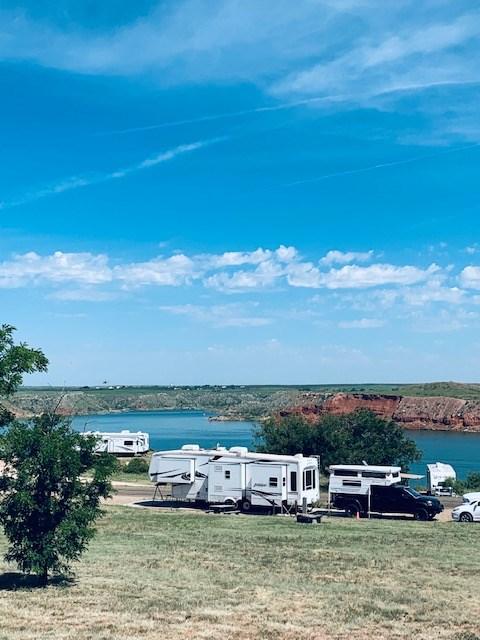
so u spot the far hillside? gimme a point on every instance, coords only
(246, 401)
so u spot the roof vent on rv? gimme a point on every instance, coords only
(191, 447)
(240, 451)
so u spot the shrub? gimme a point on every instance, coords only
(136, 465)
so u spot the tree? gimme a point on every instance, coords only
(47, 511)
(15, 361)
(340, 439)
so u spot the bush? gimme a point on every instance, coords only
(344, 439)
(471, 483)
(137, 465)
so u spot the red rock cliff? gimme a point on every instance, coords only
(435, 413)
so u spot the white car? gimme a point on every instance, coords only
(467, 512)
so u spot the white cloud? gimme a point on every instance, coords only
(173, 271)
(229, 315)
(355, 277)
(27, 268)
(470, 277)
(266, 274)
(345, 257)
(232, 272)
(363, 323)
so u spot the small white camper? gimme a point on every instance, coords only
(121, 443)
(437, 474)
(237, 476)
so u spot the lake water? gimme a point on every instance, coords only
(171, 429)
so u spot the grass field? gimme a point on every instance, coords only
(152, 575)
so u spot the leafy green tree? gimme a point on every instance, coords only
(288, 435)
(15, 361)
(340, 439)
(47, 511)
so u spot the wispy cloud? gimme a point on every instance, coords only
(362, 323)
(229, 315)
(383, 165)
(316, 101)
(358, 53)
(78, 182)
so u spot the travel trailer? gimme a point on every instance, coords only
(363, 489)
(436, 475)
(126, 443)
(237, 476)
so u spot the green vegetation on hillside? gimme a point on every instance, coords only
(172, 575)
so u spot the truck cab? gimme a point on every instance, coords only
(399, 498)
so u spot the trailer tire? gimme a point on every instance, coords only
(353, 508)
(421, 515)
(246, 506)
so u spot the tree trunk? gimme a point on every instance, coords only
(44, 577)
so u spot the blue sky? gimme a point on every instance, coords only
(242, 192)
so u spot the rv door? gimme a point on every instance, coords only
(268, 484)
(226, 481)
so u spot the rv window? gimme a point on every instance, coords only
(284, 482)
(344, 472)
(351, 483)
(396, 474)
(293, 480)
(373, 474)
(128, 443)
(309, 479)
(106, 440)
(227, 475)
(273, 482)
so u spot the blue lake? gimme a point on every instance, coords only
(171, 429)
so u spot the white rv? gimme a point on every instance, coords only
(437, 474)
(121, 443)
(237, 476)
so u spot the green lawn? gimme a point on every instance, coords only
(152, 575)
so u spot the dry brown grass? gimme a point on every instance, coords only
(151, 576)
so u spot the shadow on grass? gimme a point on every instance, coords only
(12, 581)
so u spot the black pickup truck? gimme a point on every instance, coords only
(393, 499)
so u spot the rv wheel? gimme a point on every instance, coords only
(421, 514)
(246, 505)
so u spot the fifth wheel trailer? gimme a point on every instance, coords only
(125, 443)
(237, 476)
